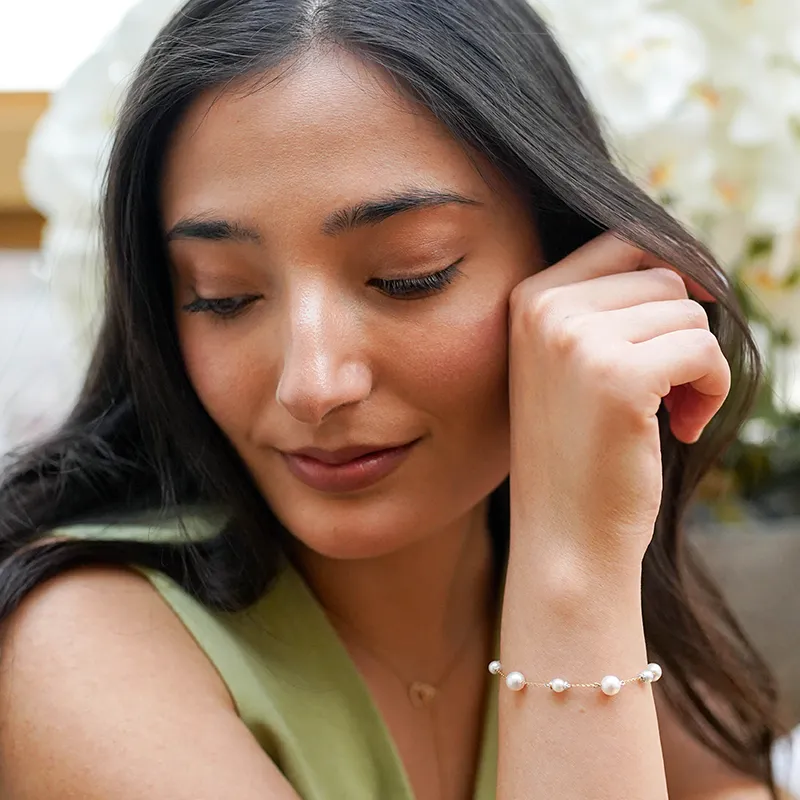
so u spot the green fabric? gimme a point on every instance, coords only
(295, 685)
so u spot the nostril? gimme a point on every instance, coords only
(310, 395)
(301, 403)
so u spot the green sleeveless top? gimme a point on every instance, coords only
(294, 683)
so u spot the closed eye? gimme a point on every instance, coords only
(424, 285)
(224, 307)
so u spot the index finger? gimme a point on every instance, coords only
(607, 254)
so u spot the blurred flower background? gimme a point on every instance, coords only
(700, 100)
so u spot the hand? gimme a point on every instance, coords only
(597, 342)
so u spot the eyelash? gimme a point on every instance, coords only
(410, 288)
(403, 288)
(222, 307)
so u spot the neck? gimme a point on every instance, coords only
(415, 606)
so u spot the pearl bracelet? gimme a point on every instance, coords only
(610, 685)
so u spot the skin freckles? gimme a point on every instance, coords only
(322, 357)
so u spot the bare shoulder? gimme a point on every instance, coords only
(100, 681)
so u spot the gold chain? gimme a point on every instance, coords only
(595, 685)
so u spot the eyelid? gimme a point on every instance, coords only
(408, 288)
(419, 285)
(213, 305)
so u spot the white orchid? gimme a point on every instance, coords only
(67, 156)
(636, 61)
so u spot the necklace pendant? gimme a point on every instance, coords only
(421, 694)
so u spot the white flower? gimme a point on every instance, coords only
(67, 155)
(67, 152)
(779, 297)
(650, 67)
(675, 161)
(41, 364)
(636, 63)
(778, 300)
(766, 113)
(733, 26)
(72, 263)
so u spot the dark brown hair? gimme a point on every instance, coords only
(139, 440)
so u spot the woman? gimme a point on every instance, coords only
(367, 260)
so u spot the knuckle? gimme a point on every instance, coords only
(567, 335)
(545, 303)
(670, 280)
(535, 308)
(694, 314)
(706, 342)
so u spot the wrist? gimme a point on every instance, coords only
(574, 583)
(591, 620)
(583, 557)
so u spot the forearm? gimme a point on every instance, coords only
(578, 744)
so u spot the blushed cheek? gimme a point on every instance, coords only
(230, 380)
(461, 364)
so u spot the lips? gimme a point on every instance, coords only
(347, 470)
(340, 456)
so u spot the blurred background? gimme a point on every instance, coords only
(42, 43)
(701, 105)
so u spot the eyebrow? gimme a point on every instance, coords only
(373, 212)
(364, 214)
(212, 230)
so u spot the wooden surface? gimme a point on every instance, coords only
(20, 230)
(20, 226)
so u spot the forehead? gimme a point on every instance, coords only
(331, 129)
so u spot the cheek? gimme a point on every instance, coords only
(461, 363)
(230, 379)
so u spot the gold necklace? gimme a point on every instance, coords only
(421, 694)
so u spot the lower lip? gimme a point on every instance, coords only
(350, 477)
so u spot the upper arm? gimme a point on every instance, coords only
(694, 772)
(104, 693)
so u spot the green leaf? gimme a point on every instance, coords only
(760, 246)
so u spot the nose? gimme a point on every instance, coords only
(323, 366)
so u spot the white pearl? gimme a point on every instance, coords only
(656, 670)
(558, 685)
(610, 685)
(515, 681)
(495, 667)
(647, 676)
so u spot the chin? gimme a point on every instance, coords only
(354, 548)
(354, 541)
(355, 529)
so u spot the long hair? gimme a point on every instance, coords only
(139, 440)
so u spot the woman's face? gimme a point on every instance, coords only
(315, 209)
